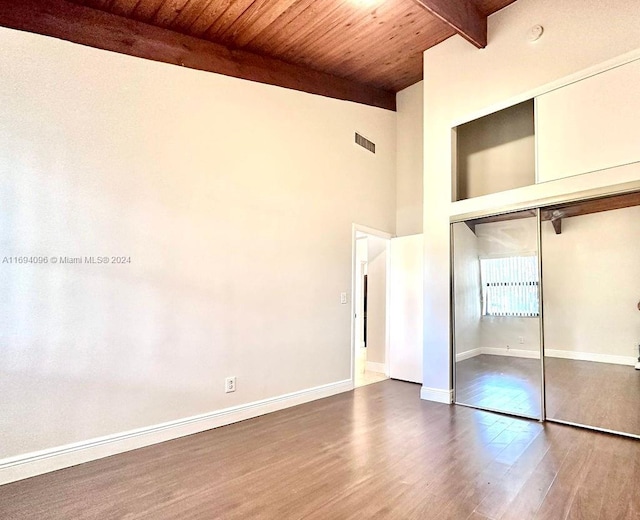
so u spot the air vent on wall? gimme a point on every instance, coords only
(365, 143)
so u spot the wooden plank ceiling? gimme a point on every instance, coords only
(374, 45)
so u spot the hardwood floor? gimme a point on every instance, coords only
(377, 452)
(509, 384)
(596, 394)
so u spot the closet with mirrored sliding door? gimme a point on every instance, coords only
(546, 312)
(545, 253)
(591, 271)
(496, 313)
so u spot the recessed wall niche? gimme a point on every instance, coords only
(495, 153)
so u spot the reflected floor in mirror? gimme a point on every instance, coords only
(509, 384)
(594, 394)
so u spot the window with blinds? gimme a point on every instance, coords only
(510, 286)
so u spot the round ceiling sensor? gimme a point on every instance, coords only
(535, 32)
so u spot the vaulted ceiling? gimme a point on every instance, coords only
(362, 50)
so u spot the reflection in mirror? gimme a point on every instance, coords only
(496, 314)
(591, 273)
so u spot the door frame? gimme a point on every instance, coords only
(355, 228)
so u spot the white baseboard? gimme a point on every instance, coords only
(36, 463)
(564, 354)
(438, 395)
(588, 356)
(512, 352)
(468, 354)
(494, 351)
(372, 366)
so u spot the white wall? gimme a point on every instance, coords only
(409, 143)
(235, 202)
(376, 299)
(592, 285)
(461, 83)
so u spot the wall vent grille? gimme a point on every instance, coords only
(365, 143)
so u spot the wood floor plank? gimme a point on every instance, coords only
(477, 516)
(536, 484)
(621, 482)
(497, 502)
(589, 496)
(562, 491)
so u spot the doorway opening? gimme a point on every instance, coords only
(370, 339)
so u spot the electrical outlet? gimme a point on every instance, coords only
(343, 298)
(508, 347)
(230, 384)
(521, 340)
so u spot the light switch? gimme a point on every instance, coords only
(343, 298)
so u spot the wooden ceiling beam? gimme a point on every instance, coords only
(95, 28)
(463, 16)
(555, 214)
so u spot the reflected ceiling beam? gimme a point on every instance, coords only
(94, 28)
(556, 222)
(463, 16)
(556, 213)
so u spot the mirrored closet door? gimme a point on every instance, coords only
(591, 272)
(496, 311)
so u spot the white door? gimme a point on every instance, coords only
(405, 307)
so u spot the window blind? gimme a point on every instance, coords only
(510, 286)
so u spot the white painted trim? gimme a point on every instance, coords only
(468, 354)
(371, 231)
(589, 356)
(438, 395)
(387, 309)
(563, 354)
(36, 463)
(512, 352)
(372, 366)
(354, 272)
(494, 351)
(536, 135)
